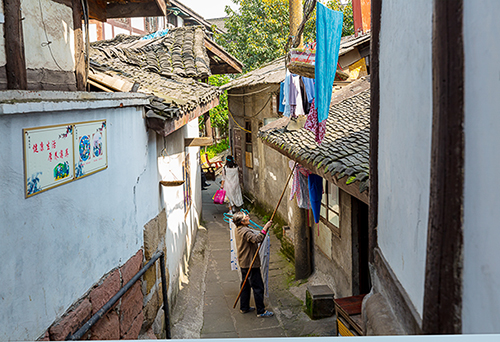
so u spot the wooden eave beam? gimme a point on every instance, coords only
(135, 9)
(217, 51)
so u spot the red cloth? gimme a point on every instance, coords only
(312, 124)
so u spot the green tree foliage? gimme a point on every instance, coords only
(258, 31)
(219, 114)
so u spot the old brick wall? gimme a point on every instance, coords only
(123, 321)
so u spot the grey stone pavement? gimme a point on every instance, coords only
(204, 305)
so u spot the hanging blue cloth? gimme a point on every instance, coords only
(328, 33)
(281, 108)
(286, 94)
(315, 194)
(309, 85)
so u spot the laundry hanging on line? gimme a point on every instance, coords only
(300, 188)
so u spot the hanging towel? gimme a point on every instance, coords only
(303, 93)
(309, 84)
(312, 124)
(315, 194)
(328, 33)
(296, 107)
(281, 108)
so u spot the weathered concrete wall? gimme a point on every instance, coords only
(405, 126)
(481, 274)
(68, 237)
(47, 20)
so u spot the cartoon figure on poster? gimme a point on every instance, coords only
(61, 171)
(84, 148)
(97, 144)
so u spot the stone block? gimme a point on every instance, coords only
(150, 278)
(135, 328)
(131, 267)
(107, 328)
(319, 301)
(162, 224)
(103, 293)
(131, 306)
(151, 238)
(73, 321)
(150, 309)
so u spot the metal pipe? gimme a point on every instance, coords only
(98, 315)
(164, 293)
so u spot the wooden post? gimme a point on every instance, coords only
(79, 54)
(14, 46)
(295, 9)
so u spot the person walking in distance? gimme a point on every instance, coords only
(247, 243)
(231, 183)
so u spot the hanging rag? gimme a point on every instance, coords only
(281, 108)
(303, 93)
(300, 189)
(315, 194)
(312, 124)
(286, 96)
(328, 33)
(309, 84)
(296, 107)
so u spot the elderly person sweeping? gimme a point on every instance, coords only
(247, 243)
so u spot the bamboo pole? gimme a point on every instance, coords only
(257, 253)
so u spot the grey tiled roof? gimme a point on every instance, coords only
(165, 67)
(344, 151)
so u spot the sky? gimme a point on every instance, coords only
(209, 9)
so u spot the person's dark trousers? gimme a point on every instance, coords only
(255, 282)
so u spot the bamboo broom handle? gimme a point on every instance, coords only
(257, 253)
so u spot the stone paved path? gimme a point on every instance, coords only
(204, 307)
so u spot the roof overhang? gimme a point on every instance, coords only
(221, 62)
(352, 189)
(164, 126)
(102, 10)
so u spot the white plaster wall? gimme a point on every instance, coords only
(57, 244)
(3, 59)
(405, 140)
(481, 298)
(48, 20)
(181, 227)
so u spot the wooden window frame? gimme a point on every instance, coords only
(324, 220)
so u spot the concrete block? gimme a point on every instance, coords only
(319, 301)
(131, 307)
(70, 323)
(107, 328)
(133, 332)
(103, 293)
(131, 267)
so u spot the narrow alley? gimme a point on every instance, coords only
(204, 307)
